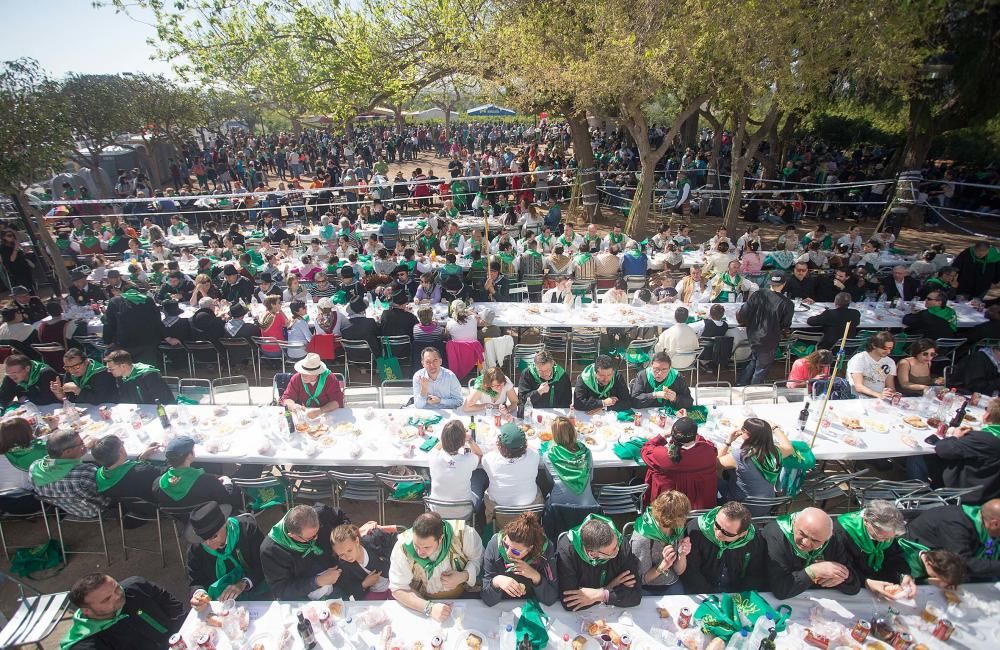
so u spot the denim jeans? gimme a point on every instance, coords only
(756, 369)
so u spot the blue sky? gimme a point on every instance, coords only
(72, 36)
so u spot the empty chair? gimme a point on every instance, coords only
(358, 354)
(621, 499)
(230, 390)
(35, 619)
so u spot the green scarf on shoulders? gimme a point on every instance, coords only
(108, 478)
(224, 576)
(557, 374)
(135, 297)
(992, 257)
(946, 313)
(477, 384)
(589, 379)
(506, 258)
(939, 282)
(581, 259)
(89, 242)
(23, 457)
(84, 628)
(987, 543)
(577, 542)
(784, 523)
(911, 551)
(429, 564)
(282, 539)
(853, 524)
(769, 468)
(992, 428)
(176, 482)
(92, 369)
(706, 524)
(646, 526)
(573, 467)
(732, 282)
(138, 370)
(34, 372)
(48, 470)
(667, 382)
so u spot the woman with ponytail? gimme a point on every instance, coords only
(685, 462)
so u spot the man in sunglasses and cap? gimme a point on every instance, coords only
(727, 553)
(224, 559)
(870, 539)
(596, 567)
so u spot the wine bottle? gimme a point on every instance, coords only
(959, 417)
(161, 412)
(306, 632)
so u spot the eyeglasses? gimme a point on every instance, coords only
(724, 531)
(70, 366)
(808, 538)
(513, 551)
(602, 555)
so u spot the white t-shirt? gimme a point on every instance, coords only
(873, 372)
(499, 399)
(451, 476)
(466, 331)
(512, 481)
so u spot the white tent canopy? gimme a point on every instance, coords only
(490, 109)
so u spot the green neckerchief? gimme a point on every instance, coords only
(589, 378)
(616, 239)
(667, 382)
(34, 373)
(478, 385)
(108, 478)
(706, 523)
(573, 467)
(535, 553)
(320, 385)
(506, 258)
(581, 259)
(567, 243)
(939, 282)
(992, 257)
(79, 231)
(987, 545)
(732, 282)
(574, 539)
(176, 482)
(992, 428)
(429, 564)
(557, 374)
(23, 457)
(634, 253)
(89, 242)
(770, 468)
(63, 244)
(853, 524)
(784, 523)
(225, 577)
(255, 257)
(948, 314)
(429, 242)
(47, 470)
(532, 252)
(911, 551)
(138, 370)
(451, 269)
(178, 230)
(646, 526)
(544, 240)
(453, 240)
(135, 297)
(282, 539)
(84, 628)
(92, 369)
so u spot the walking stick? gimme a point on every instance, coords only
(829, 388)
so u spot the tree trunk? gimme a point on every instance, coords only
(715, 178)
(738, 165)
(586, 164)
(397, 113)
(296, 125)
(349, 129)
(642, 202)
(149, 159)
(919, 136)
(95, 171)
(689, 132)
(40, 233)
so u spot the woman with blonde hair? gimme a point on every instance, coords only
(569, 471)
(519, 562)
(659, 544)
(490, 390)
(363, 560)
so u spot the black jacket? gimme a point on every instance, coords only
(971, 461)
(786, 570)
(206, 326)
(181, 293)
(948, 527)
(207, 487)
(178, 328)
(88, 294)
(738, 569)
(585, 399)
(766, 314)
(928, 325)
(133, 632)
(101, 389)
(292, 576)
(988, 330)
(546, 592)
(804, 288)
(893, 567)
(642, 393)
(559, 396)
(378, 544)
(574, 573)
(910, 287)
(928, 286)
(127, 325)
(974, 277)
(397, 322)
(39, 392)
(33, 312)
(832, 322)
(975, 372)
(201, 564)
(145, 389)
(362, 328)
(242, 290)
(137, 484)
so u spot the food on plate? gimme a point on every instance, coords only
(259, 646)
(214, 620)
(473, 642)
(892, 590)
(909, 442)
(598, 627)
(301, 427)
(246, 421)
(407, 433)
(545, 436)
(915, 421)
(336, 608)
(851, 423)
(327, 441)
(220, 410)
(579, 643)
(201, 598)
(590, 441)
(853, 441)
(663, 612)
(725, 422)
(584, 427)
(875, 425)
(969, 418)
(265, 448)
(529, 431)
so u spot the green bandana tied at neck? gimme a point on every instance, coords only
(939, 282)
(176, 482)
(992, 428)
(992, 256)
(769, 468)
(282, 539)
(853, 524)
(573, 467)
(34, 372)
(557, 374)
(567, 243)
(706, 523)
(49, 470)
(577, 542)
(616, 239)
(429, 564)
(135, 297)
(225, 577)
(92, 369)
(138, 370)
(987, 544)
(667, 382)
(784, 523)
(911, 551)
(84, 627)
(477, 384)
(506, 258)
(732, 282)
(313, 396)
(108, 478)
(589, 378)
(646, 526)
(23, 457)
(948, 314)
(89, 242)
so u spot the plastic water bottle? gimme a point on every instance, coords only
(528, 410)
(508, 639)
(761, 628)
(738, 641)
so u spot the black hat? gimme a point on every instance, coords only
(265, 277)
(114, 273)
(206, 521)
(401, 268)
(77, 275)
(19, 290)
(453, 283)
(400, 298)
(230, 269)
(778, 277)
(348, 272)
(237, 310)
(359, 306)
(171, 308)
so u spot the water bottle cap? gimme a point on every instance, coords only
(770, 616)
(509, 628)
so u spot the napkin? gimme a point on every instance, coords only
(625, 416)
(429, 443)
(630, 449)
(428, 421)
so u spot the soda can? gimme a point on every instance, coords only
(421, 430)
(943, 630)
(942, 430)
(625, 642)
(177, 642)
(861, 630)
(496, 420)
(206, 641)
(436, 643)
(684, 618)
(897, 398)
(105, 412)
(974, 400)
(663, 420)
(903, 641)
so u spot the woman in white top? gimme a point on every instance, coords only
(490, 390)
(751, 235)
(299, 330)
(452, 463)
(873, 372)
(461, 325)
(616, 296)
(294, 290)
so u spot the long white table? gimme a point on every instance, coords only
(824, 612)
(382, 438)
(697, 258)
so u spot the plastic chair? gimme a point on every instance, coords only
(51, 353)
(634, 282)
(167, 352)
(947, 348)
(771, 503)
(387, 483)
(621, 499)
(503, 514)
(434, 505)
(718, 386)
(6, 518)
(270, 481)
(518, 292)
(179, 515)
(360, 486)
(637, 347)
(291, 352)
(583, 349)
(401, 348)
(238, 345)
(716, 351)
(522, 354)
(198, 350)
(359, 354)
(278, 385)
(237, 384)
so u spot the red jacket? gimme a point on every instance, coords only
(332, 392)
(694, 475)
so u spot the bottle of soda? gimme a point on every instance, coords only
(472, 428)
(161, 413)
(289, 420)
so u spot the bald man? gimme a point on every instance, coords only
(972, 532)
(802, 553)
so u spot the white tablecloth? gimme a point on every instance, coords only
(697, 258)
(824, 611)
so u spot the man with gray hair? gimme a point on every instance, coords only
(63, 479)
(296, 555)
(594, 566)
(870, 539)
(901, 285)
(832, 321)
(802, 553)
(205, 324)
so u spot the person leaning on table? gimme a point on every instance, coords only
(727, 552)
(600, 386)
(313, 388)
(224, 558)
(870, 539)
(519, 562)
(364, 560)
(85, 380)
(660, 545)
(183, 485)
(436, 559)
(596, 566)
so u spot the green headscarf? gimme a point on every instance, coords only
(49, 470)
(176, 482)
(135, 297)
(557, 374)
(853, 524)
(784, 523)
(573, 467)
(23, 457)
(987, 543)
(108, 478)
(646, 526)
(282, 539)
(946, 313)
(34, 372)
(225, 577)
(429, 564)
(589, 379)
(706, 523)
(577, 542)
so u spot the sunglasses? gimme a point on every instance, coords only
(513, 551)
(724, 531)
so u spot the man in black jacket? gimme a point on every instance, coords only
(132, 322)
(205, 325)
(945, 281)
(397, 321)
(226, 561)
(27, 380)
(85, 381)
(937, 321)
(235, 287)
(83, 292)
(596, 566)
(802, 554)
(296, 555)
(727, 552)
(360, 327)
(545, 383)
(138, 383)
(31, 307)
(988, 330)
(600, 386)
(183, 485)
(801, 284)
(832, 321)
(870, 540)
(266, 287)
(177, 287)
(118, 477)
(660, 385)
(970, 531)
(766, 315)
(978, 268)
(901, 285)
(969, 458)
(980, 372)
(134, 614)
